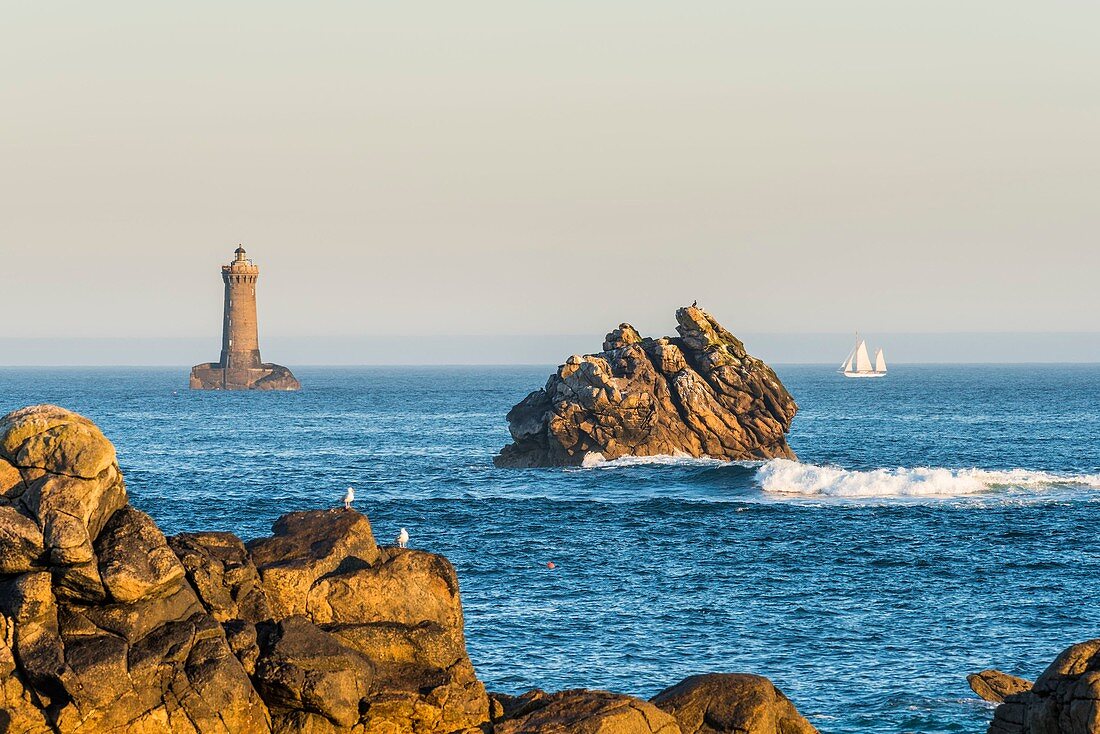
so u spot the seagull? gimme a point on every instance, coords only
(349, 497)
(403, 538)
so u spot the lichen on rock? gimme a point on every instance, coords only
(698, 394)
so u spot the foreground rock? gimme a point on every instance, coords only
(590, 712)
(1064, 700)
(994, 686)
(107, 626)
(698, 394)
(731, 703)
(102, 631)
(399, 609)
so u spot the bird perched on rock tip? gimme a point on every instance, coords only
(695, 304)
(403, 538)
(349, 497)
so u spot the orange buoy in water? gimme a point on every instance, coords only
(550, 565)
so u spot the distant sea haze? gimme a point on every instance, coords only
(505, 349)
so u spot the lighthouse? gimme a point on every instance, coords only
(240, 337)
(240, 367)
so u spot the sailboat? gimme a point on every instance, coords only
(858, 362)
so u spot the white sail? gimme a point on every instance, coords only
(863, 360)
(880, 361)
(846, 365)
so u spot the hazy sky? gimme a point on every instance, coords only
(550, 167)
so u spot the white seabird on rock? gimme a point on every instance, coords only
(349, 497)
(403, 538)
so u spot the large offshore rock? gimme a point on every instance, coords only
(731, 703)
(589, 712)
(1064, 700)
(698, 394)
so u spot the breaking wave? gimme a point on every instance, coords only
(596, 460)
(781, 476)
(777, 478)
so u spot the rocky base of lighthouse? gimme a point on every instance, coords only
(213, 376)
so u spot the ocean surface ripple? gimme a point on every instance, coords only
(941, 521)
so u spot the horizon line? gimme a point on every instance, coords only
(529, 335)
(354, 365)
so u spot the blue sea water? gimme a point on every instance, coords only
(943, 520)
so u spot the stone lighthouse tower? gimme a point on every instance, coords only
(240, 340)
(240, 367)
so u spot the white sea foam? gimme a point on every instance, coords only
(781, 476)
(594, 460)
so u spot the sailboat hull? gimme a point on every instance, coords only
(864, 374)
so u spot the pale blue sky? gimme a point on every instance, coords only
(550, 167)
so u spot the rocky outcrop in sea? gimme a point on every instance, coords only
(106, 625)
(267, 376)
(696, 394)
